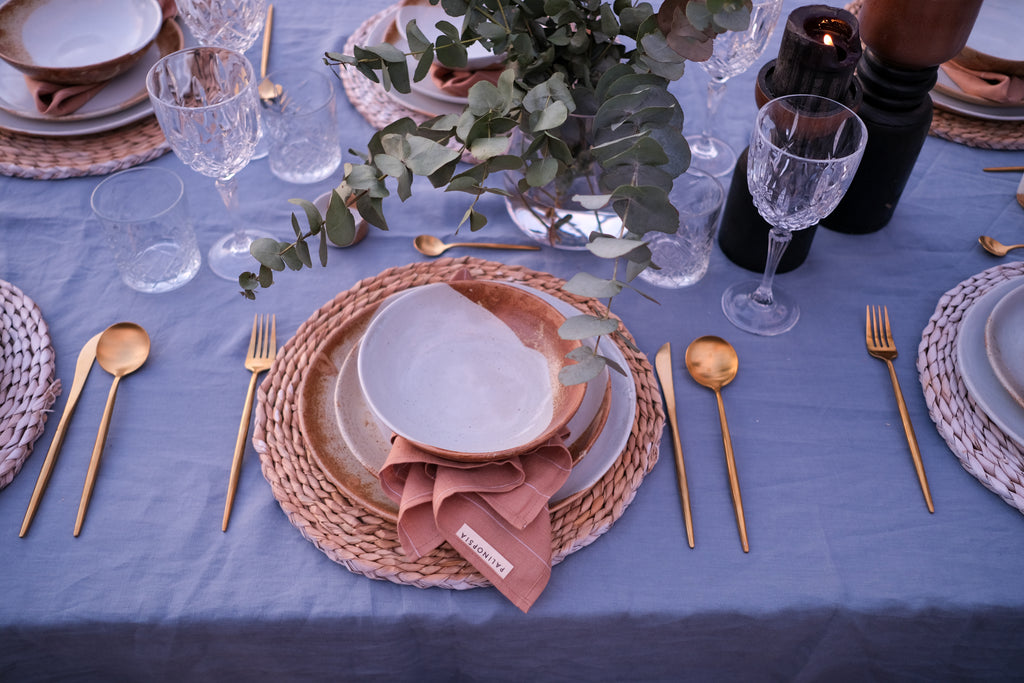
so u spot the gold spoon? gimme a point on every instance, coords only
(994, 246)
(663, 365)
(712, 362)
(432, 246)
(121, 350)
(267, 89)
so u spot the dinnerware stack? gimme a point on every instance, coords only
(68, 47)
(994, 55)
(430, 96)
(459, 369)
(990, 356)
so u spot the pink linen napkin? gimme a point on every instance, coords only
(56, 99)
(457, 82)
(494, 514)
(990, 85)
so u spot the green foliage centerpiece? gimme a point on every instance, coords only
(606, 63)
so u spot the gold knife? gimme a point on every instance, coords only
(85, 359)
(663, 364)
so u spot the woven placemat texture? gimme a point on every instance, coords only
(368, 545)
(982, 448)
(47, 158)
(27, 384)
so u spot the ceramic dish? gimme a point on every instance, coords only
(1004, 343)
(972, 109)
(336, 456)
(976, 371)
(75, 42)
(122, 93)
(487, 354)
(997, 30)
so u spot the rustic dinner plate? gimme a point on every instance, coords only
(1004, 343)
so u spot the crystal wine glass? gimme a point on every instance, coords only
(735, 52)
(804, 152)
(205, 100)
(234, 24)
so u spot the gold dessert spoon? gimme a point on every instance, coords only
(267, 89)
(712, 362)
(994, 246)
(429, 245)
(121, 350)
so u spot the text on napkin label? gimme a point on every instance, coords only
(484, 551)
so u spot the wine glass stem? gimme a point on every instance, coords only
(228, 189)
(778, 240)
(716, 90)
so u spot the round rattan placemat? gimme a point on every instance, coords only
(368, 545)
(27, 384)
(982, 448)
(965, 130)
(47, 158)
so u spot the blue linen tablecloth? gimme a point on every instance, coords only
(848, 576)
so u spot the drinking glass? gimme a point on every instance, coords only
(804, 152)
(205, 100)
(735, 52)
(233, 24)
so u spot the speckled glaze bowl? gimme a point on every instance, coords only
(77, 42)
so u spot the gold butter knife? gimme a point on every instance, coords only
(663, 364)
(85, 359)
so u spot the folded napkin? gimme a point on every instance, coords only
(457, 82)
(494, 514)
(57, 99)
(990, 85)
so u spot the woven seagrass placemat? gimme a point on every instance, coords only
(368, 545)
(965, 130)
(47, 158)
(27, 384)
(982, 448)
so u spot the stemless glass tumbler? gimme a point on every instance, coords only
(804, 152)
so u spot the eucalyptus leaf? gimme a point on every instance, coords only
(266, 251)
(582, 371)
(585, 284)
(313, 217)
(613, 247)
(586, 326)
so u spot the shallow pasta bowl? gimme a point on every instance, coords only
(77, 43)
(468, 370)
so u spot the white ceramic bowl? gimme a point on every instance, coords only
(468, 370)
(74, 42)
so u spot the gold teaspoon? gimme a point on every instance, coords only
(712, 362)
(994, 246)
(121, 350)
(429, 245)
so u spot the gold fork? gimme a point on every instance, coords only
(260, 356)
(881, 345)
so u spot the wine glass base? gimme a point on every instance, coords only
(751, 316)
(711, 155)
(229, 257)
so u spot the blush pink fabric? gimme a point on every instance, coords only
(990, 85)
(457, 82)
(501, 503)
(56, 99)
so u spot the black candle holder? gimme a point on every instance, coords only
(806, 64)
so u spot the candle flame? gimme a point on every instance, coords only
(828, 40)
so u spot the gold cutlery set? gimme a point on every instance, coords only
(712, 362)
(120, 350)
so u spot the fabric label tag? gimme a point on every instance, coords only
(484, 551)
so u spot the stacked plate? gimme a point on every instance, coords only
(122, 101)
(994, 45)
(990, 356)
(425, 96)
(466, 370)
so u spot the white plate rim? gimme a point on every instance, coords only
(975, 370)
(1009, 306)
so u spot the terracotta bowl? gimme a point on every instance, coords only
(77, 43)
(468, 370)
